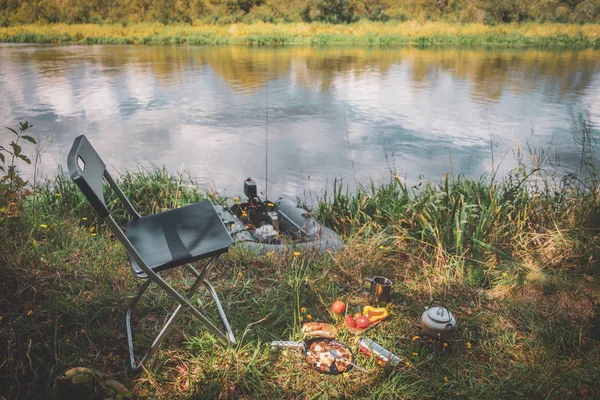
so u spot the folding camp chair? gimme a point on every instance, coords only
(157, 242)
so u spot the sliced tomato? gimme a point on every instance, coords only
(350, 322)
(362, 322)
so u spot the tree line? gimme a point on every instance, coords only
(14, 12)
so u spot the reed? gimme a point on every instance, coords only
(361, 33)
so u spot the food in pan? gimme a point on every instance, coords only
(319, 357)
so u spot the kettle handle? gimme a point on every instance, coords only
(441, 303)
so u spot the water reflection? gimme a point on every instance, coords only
(333, 112)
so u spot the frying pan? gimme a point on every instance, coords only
(304, 346)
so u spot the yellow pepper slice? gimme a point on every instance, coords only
(375, 314)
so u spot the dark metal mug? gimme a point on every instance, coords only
(380, 288)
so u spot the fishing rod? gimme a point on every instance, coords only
(267, 146)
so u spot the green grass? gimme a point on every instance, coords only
(524, 300)
(317, 34)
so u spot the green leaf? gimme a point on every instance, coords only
(2, 157)
(12, 130)
(29, 138)
(24, 158)
(16, 148)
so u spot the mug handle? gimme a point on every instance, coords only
(370, 280)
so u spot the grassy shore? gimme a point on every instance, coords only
(515, 260)
(361, 33)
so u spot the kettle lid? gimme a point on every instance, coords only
(439, 314)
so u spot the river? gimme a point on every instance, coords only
(305, 115)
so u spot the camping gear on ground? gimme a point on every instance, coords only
(437, 322)
(282, 225)
(368, 347)
(316, 353)
(157, 242)
(380, 289)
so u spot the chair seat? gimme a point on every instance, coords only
(176, 237)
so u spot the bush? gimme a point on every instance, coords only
(377, 14)
(335, 11)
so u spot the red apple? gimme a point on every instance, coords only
(339, 307)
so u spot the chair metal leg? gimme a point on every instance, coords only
(200, 279)
(213, 293)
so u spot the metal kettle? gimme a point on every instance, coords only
(437, 322)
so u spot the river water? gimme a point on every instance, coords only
(305, 115)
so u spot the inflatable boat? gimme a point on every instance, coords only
(282, 225)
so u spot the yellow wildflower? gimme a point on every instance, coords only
(309, 317)
(57, 194)
(236, 199)
(303, 310)
(44, 226)
(445, 344)
(239, 274)
(416, 337)
(296, 253)
(29, 312)
(445, 379)
(92, 229)
(301, 319)
(244, 214)
(114, 202)
(490, 358)
(504, 275)
(49, 180)
(415, 354)
(270, 204)
(407, 364)
(468, 345)
(84, 219)
(93, 234)
(381, 247)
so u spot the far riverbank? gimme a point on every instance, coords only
(361, 33)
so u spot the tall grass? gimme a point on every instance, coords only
(149, 190)
(362, 33)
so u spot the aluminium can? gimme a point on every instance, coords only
(368, 347)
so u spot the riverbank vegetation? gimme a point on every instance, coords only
(362, 33)
(330, 11)
(516, 260)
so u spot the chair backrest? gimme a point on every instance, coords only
(88, 171)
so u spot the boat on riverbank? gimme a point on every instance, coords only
(279, 226)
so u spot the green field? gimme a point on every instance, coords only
(516, 260)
